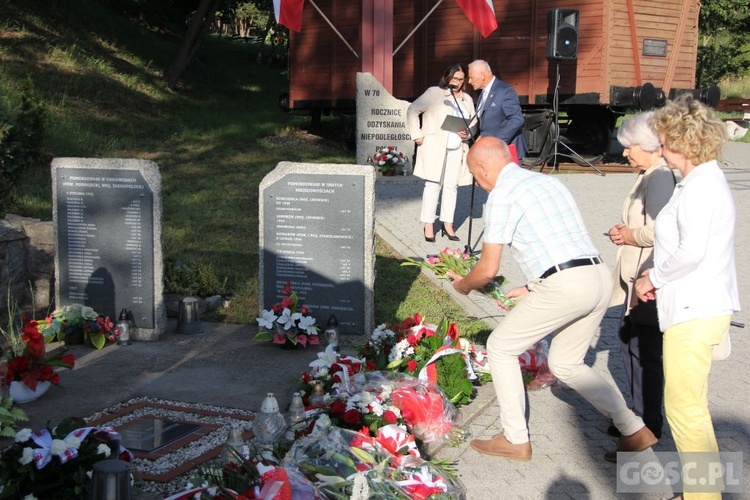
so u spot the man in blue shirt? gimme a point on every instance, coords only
(567, 293)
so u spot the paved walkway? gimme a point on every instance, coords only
(568, 435)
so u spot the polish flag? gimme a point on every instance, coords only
(481, 13)
(289, 13)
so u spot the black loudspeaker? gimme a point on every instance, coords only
(562, 27)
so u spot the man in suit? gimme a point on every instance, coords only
(498, 109)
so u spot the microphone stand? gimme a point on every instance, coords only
(467, 247)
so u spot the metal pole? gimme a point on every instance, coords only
(416, 27)
(334, 28)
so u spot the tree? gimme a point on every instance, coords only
(199, 26)
(723, 48)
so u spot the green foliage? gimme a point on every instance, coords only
(20, 143)
(458, 389)
(9, 416)
(198, 279)
(724, 49)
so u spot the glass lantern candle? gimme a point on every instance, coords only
(123, 328)
(269, 425)
(332, 332)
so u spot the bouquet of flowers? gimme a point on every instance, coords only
(536, 373)
(333, 371)
(347, 464)
(28, 361)
(56, 463)
(246, 477)
(461, 263)
(432, 353)
(287, 322)
(76, 321)
(388, 158)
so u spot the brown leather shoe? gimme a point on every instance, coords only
(501, 447)
(641, 440)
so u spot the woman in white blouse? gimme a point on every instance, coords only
(694, 276)
(441, 154)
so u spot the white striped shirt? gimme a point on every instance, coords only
(536, 216)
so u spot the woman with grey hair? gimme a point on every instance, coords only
(640, 337)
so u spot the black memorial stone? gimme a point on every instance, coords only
(313, 236)
(105, 242)
(151, 433)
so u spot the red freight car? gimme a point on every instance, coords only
(631, 54)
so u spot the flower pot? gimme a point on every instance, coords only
(74, 338)
(21, 393)
(390, 172)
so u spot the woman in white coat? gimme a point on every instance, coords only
(441, 155)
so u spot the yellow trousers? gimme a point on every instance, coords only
(687, 363)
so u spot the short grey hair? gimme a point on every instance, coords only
(482, 65)
(636, 131)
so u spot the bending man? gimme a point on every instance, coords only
(567, 294)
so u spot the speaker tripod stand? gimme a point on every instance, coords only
(556, 139)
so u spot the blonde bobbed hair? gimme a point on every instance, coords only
(690, 128)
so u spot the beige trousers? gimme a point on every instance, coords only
(569, 304)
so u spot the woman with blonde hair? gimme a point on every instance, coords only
(693, 277)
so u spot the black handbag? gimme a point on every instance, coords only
(644, 313)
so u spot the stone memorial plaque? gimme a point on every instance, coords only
(150, 434)
(381, 120)
(108, 238)
(317, 231)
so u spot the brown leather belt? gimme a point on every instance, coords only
(586, 261)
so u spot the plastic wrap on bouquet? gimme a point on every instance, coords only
(424, 407)
(534, 363)
(348, 464)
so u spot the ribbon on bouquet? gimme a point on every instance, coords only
(429, 370)
(43, 439)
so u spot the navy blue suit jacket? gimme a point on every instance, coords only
(501, 116)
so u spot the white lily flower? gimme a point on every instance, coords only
(266, 319)
(289, 319)
(307, 324)
(325, 360)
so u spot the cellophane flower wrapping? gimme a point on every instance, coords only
(347, 464)
(423, 406)
(535, 367)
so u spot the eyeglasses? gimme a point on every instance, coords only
(459, 80)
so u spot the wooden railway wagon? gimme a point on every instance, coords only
(631, 54)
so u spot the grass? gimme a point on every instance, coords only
(214, 139)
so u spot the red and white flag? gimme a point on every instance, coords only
(289, 13)
(481, 13)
